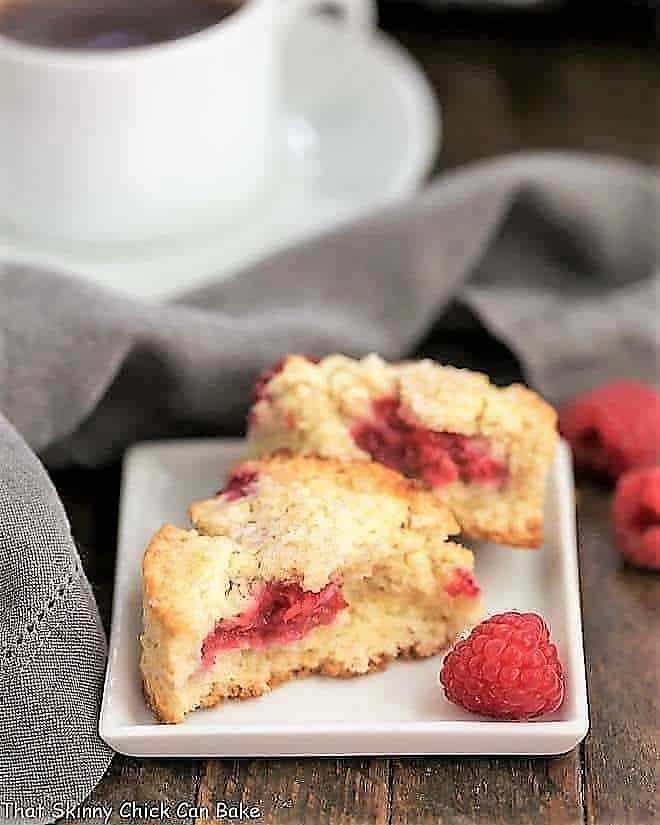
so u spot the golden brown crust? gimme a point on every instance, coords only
(153, 572)
(162, 710)
(167, 583)
(336, 670)
(525, 537)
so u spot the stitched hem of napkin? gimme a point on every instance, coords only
(11, 652)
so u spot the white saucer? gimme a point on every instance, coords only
(373, 145)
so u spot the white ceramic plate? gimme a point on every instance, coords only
(361, 130)
(399, 711)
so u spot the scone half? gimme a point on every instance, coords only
(485, 451)
(299, 565)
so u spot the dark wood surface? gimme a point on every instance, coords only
(497, 96)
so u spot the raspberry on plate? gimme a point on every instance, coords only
(614, 427)
(507, 668)
(636, 517)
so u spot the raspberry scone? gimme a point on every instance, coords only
(299, 565)
(484, 451)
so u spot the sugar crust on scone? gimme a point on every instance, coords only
(310, 521)
(312, 407)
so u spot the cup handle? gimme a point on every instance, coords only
(358, 16)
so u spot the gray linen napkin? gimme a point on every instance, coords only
(557, 255)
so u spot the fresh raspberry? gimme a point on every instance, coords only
(636, 517)
(614, 427)
(507, 668)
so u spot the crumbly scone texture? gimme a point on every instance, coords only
(312, 407)
(309, 521)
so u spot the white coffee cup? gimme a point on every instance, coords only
(147, 142)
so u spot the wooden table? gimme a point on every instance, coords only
(497, 96)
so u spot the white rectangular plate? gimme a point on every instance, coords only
(399, 711)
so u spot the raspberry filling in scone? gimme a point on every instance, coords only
(391, 436)
(462, 583)
(280, 613)
(324, 566)
(485, 451)
(240, 484)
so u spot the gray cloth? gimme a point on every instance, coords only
(557, 255)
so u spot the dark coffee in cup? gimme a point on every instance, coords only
(108, 24)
